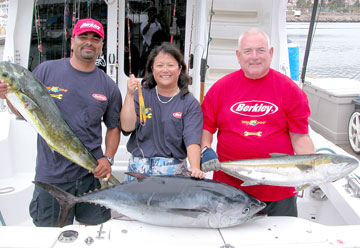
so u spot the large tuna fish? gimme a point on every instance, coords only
(297, 171)
(30, 97)
(169, 201)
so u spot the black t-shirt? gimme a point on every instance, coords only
(170, 128)
(84, 99)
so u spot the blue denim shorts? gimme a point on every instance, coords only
(156, 166)
(44, 208)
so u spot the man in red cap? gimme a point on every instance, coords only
(85, 96)
(86, 44)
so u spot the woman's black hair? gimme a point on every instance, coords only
(167, 48)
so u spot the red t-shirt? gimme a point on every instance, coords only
(253, 119)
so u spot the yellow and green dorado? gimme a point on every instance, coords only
(298, 171)
(32, 100)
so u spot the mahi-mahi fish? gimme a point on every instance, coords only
(169, 200)
(33, 101)
(298, 171)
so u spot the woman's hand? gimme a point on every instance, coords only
(132, 84)
(195, 172)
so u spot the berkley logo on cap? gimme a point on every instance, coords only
(254, 108)
(88, 25)
(92, 25)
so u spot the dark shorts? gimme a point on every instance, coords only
(284, 207)
(44, 208)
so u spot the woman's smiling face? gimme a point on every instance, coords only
(166, 70)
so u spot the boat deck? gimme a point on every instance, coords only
(274, 232)
(347, 148)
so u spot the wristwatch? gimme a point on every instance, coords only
(110, 159)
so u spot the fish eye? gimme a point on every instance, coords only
(5, 74)
(245, 210)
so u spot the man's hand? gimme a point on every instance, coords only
(4, 89)
(103, 170)
(209, 160)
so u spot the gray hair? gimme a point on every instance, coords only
(253, 31)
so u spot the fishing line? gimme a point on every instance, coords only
(222, 237)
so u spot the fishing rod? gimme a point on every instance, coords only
(173, 25)
(37, 28)
(309, 41)
(129, 35)
(88, 8)
(117, 42)
(66, 13)
(73, 18)
(142, 113)
(191, 57)
(204, 66)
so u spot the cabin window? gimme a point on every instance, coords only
(149, 23)
(52, 27)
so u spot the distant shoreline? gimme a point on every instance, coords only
(324, 17)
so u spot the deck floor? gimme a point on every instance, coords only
(348, 149)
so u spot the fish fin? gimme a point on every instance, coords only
(301, 188)
(194, 213)
(65, 199)
(113, 180)
(304, 167)
(30, 104)
(278, 154)
(136, 175)
(248, 184)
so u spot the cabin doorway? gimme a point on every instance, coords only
(53, 22)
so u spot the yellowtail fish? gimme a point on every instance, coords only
(33, 101)
(298, 171)
(169, 200)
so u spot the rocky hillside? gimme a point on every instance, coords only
(324, 17)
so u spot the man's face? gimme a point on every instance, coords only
(87, 46)
(254, 55)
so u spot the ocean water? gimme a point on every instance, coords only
(335, 49)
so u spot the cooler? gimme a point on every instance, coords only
(331, 104)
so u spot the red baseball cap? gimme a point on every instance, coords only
(88, 25)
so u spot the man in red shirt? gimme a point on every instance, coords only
(257, 111)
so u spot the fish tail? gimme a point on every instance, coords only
(65, 199)
(211, 165)
(113, 180)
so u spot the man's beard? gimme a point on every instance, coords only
(88, 55)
